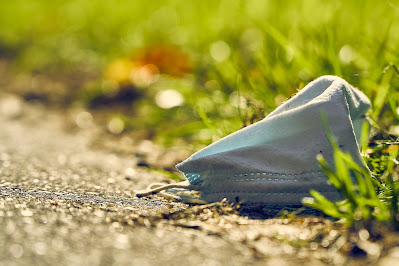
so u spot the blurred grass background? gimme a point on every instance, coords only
(198, 70)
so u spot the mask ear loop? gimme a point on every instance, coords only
(158, 188)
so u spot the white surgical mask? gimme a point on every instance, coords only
(274, 160)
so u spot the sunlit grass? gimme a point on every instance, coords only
(367, 196)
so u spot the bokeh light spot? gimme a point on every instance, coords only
(145, 76)
(169, 98)
(16, 251)
(84, 120)
(238, 101)
(116, 125)
(11, 106)
(347, 54)
(252, 39)
(220, 51)
(130, 172)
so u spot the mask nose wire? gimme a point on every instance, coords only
(157, 188)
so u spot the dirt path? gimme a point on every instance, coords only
(63, 202)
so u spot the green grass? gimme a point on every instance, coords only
(246, 57)
(367, 196)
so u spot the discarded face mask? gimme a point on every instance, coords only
(274, 160)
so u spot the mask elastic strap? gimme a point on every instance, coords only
(158, 188)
